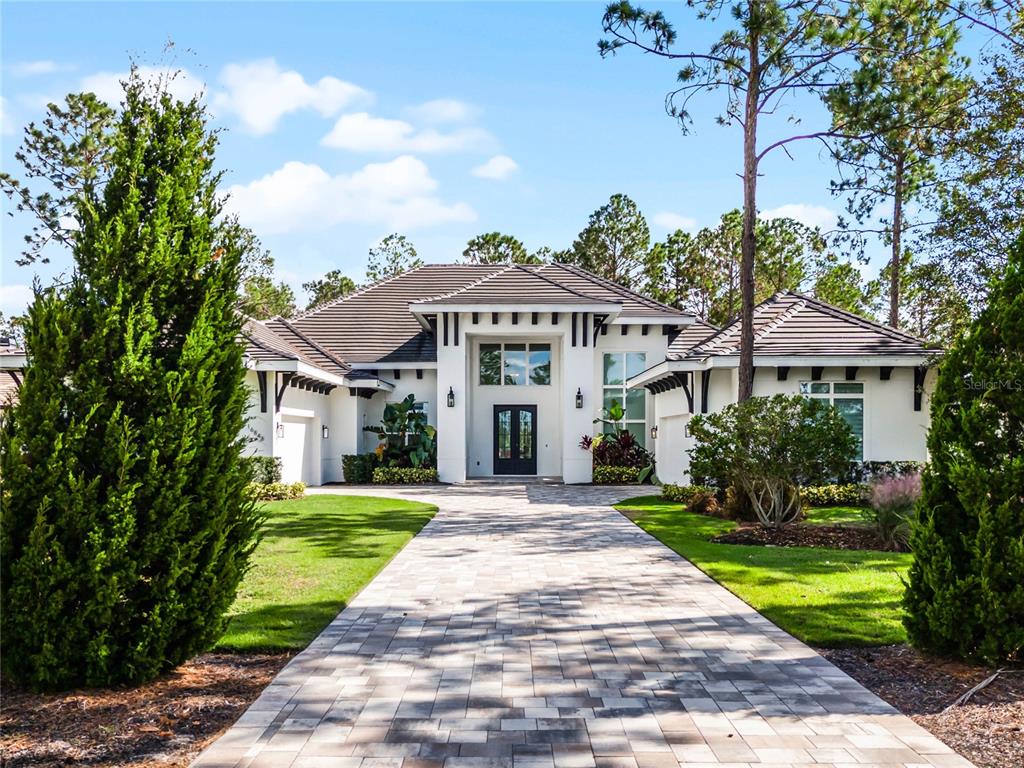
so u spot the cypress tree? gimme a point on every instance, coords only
(965, 595)
(126, 527)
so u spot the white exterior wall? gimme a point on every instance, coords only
(453, 373)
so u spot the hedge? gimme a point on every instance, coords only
(265, 469)
(604, 475)
(277, 491)
(850, 494)
(358, 469)
(701, 499)
(404, 475)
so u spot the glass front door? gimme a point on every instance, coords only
(515, 439)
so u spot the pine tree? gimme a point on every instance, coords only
(965, 596)
(126, 526)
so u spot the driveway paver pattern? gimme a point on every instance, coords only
(535, 627)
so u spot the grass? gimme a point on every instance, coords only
(834, 515)
(316, 554)
(825, 597)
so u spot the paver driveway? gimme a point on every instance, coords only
(535, 627)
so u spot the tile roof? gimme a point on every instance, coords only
(374, 324)
(276, 339)
(794, 324)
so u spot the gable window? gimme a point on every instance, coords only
(618, 368)
(515, 364)
(848, 399)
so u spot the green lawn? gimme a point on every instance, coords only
(316, 554)
(834, 515)
(825, 597)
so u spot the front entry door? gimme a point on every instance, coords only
(515, 439)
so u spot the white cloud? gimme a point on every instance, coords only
(304, 197)
(6, 124)
(442, 111)
(180, 83)
(260, 93)
(498, 167)
(14, 299)
(673, 221)
(811, 215)
(33, 68)
(362, 132)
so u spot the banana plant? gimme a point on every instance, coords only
(406, 438)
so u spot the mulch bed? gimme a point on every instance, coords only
(166, 722)
(988, 729)
(803, 535)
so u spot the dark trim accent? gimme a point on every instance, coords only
(625, 329)
(599, 327)
(574, 329)
(753, 373)
(444, 324)
(17, 380)
(851, 372)
(476, 318)
(397, 373)
(515, 318)
(419, 373)
(586, 328)
(534, 318)
(261, 377)
(494, 318)
(644, 330)
(604, 328)
(919, 374)
(515, 464)
(705, 383)
(455, 328)
(554, 318)
(279, 393)
(667, 330)
(816, 372)
(782, 373)
(885, 373)
(364, 392)
(688, 388)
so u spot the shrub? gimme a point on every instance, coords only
(868, 471)
(771, 447)
(404, 475)
(264, 469)
(277, 491)
(848, 494)
(701, 499)
(126, 525)
(605, 475)
(965, 595)
(406, 440)
(358, 469)
(892, 506)
(617, 449)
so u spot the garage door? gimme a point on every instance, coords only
(295, 450)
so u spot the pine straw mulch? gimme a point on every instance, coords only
(988, 730)
(803, 535)
(166, 722)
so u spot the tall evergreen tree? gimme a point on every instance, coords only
(614, 243)
(496, 248)
(126, 525)
(392, 256)
(965, 596)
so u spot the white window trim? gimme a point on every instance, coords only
(622, 389)
(831, 396)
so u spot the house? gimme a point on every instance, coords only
(513, 364)
(12, 361)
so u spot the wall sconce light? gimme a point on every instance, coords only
(686, 430)
(280, 429)
(325, 432)
(654, 432)
(451, 397)
(579, 397)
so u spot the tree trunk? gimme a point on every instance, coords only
(747, 243)
(895, 260)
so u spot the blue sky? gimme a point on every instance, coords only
(346, 121)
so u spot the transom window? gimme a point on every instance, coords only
(515, 364)
(618, 368)
(848, 399)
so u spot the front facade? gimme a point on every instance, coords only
(514, 363)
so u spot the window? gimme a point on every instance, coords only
(618, 368)
(515, 364)
(848, 399)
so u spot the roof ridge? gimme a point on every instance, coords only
(263, 346)
(329, 355)
(783, 316)
(537, 273)
(359, 291)
(612, 285)
(500, 270)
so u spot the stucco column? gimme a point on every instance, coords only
(578, 373)
(451, 422)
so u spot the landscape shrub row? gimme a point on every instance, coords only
(277, 491)
(606, 475)
(264, 469)
(358, 469)
(404, 475)
(835, 495)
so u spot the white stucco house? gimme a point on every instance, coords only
(512, 364)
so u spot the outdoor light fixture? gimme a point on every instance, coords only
(451, 397)
(325, 432)
(579, 397)
(280, 429)
(654, 432)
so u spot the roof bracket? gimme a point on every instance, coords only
(585, 329)
(644, 330)
(599, 327)
(554, 318)
(919, 374)
(476, 318)
(885, 373)
(782, 373)
(534, 318)
(574, 329)
(686, 379)
(816, 372)
(705, 383)
(285, 380)
(261, 377)
(625, 329)
(851, 372)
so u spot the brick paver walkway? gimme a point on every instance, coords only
(535, 627)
